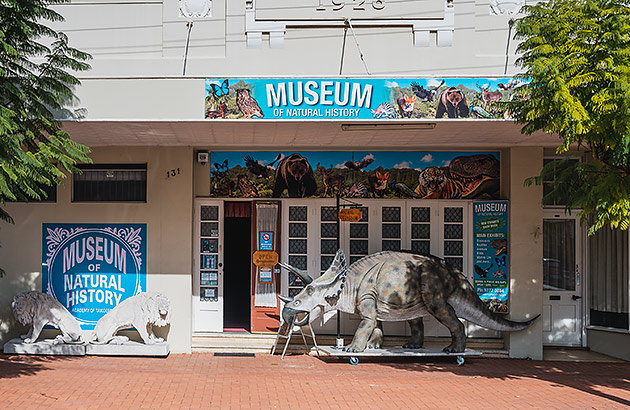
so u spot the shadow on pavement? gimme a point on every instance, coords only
(13, 366)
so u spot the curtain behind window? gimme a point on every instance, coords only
(608, 272)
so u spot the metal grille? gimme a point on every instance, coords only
(297, 245)
(452, 231)
(457, 263)
(355, 258)
(110, 183)
(391, 230)
(455, 248)
(390, 245)
(294, 291)
(329, 230)
(358, 230)
(364, 213)
(326, 261)
(294, 280)
(358, 247)
(298, 213)
(420, 231)
(420, 214)
(421, 247)
(453, 215)
(298, 261)
(298, 230)
(329, 213)
(209, 213)
(391, 214)
(209, 229)
(329, 246)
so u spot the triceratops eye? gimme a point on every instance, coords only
(297, 302)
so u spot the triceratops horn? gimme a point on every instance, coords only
(285, 299)
(303, 275)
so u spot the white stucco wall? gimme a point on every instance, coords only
(167, 213)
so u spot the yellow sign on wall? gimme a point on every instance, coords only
(350, 215)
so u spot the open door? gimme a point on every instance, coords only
(265, 307)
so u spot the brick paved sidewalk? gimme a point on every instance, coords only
(303, 382)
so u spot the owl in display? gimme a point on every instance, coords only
(247, 104)
(248, 190)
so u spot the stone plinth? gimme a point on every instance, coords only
(129, 348)
(44, 347)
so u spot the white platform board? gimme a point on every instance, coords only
(44, 347)
(432, 351)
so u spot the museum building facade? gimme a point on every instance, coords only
(221, 129)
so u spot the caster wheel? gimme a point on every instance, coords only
(460, 360)
(354, 360)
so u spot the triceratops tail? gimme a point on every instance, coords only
(468, 306)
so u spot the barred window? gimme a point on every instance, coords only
(110, 183)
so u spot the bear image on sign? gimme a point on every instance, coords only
(39, 309)
(142, 311)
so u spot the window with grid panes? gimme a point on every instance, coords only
(454, 237)
(209, 254)
(328, 236)
(298, 245)
(390, 228)
(110, 183)
(421, 230)
(359, 237)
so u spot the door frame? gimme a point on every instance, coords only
(581, 261)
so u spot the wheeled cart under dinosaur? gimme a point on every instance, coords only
(431, 351)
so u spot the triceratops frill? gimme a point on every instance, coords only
(393, 286)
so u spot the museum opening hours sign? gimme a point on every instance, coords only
(91, 268)
(490, 253)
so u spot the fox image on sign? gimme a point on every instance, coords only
(393, 286)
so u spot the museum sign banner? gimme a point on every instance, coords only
(91, 268)
(359, 98)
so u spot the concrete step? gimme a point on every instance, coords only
(262, 343)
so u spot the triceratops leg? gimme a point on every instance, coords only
(445, 314)
(376, 340)
(367, 311)
(417, 334)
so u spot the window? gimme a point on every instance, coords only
(110, 183)
(608, 278)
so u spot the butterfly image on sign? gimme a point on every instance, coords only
(500, 261)
(219, 91)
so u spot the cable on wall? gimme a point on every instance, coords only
(189, 25)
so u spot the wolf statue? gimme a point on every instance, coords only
(393, 286)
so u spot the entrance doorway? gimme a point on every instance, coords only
(237, 267)
(562, 287)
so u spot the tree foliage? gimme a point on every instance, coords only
(576, 57)
(36, 65)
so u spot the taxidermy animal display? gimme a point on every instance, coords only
(426, 95)
(39, 309)
(393, 286)
(247, 104)
(294, 174)
(405, 104)
(142, 311)
(385, 110)
(452, 102)
(331, 181)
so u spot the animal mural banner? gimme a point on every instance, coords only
(359, 98)
(358, 174)
(491, 253)
(91, 268)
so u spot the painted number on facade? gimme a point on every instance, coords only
(171, 173)
(355, 4)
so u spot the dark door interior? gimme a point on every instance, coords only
(237, 273)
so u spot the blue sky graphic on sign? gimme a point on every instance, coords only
(358, 98)
(91, 268)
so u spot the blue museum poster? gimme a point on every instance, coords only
(490, 253)
(91, 268)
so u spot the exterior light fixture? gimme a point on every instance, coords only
(389, 127)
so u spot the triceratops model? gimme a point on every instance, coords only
(393, 286)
